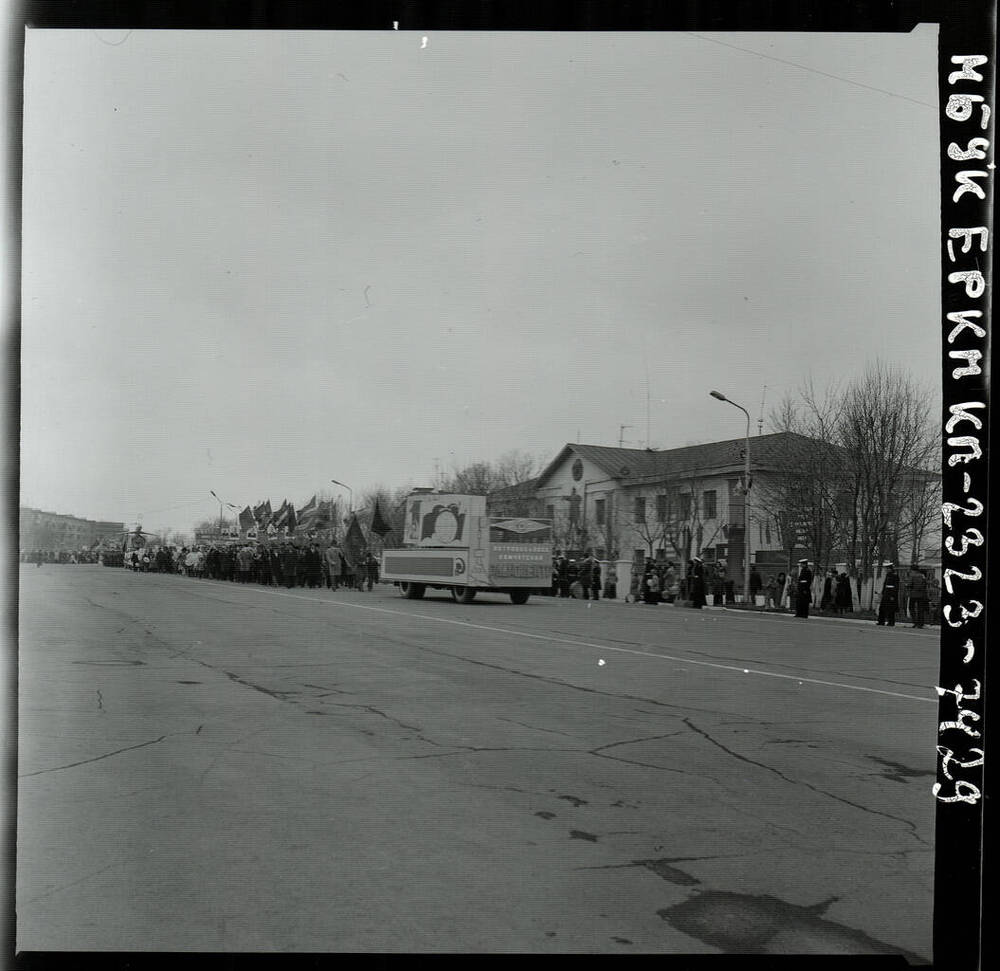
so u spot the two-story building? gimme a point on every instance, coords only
(674, 504)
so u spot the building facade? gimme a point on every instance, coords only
(675, 504)
(41, 530)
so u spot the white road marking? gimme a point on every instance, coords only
(600, 647)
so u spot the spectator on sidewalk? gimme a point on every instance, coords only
(889, 601)
(918, 596)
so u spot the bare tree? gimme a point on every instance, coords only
(857, 475)
(886, 427)
(516, 466)
(806, 496)
(477, 479)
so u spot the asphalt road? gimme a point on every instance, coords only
(215, 767)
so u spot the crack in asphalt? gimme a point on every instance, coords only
(537, 728)
(377, 711)
(847, 802)
(634, 741)
(98, 758)
(66, 886)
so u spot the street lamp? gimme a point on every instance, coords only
(221, 504)
(746, 496)
(350, 493)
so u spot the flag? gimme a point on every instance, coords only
(307, 515)
(379, 525)
(324, 516)
(247, 521)
(281, 516)
(353, 546)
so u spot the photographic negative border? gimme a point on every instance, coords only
(966, 78)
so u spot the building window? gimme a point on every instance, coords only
(708, 499)
(684, 506)
(640, 509)
(599, 511)
(661, 508)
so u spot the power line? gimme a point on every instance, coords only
(813, 70)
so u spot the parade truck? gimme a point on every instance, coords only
(451, 544)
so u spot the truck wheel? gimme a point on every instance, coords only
(412, 591)
(464, 595)
(519, 596)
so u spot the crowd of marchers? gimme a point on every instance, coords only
(279, 565)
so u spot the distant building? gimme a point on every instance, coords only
(41, 530)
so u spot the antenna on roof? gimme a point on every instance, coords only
(621, 434)
(647, 405)
(760, 421)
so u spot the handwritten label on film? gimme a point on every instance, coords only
(967, 249)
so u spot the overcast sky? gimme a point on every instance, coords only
(257, 261)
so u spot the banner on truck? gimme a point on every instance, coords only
(436, 519)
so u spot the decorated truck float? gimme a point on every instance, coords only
(451, 544)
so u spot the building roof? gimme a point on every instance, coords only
(637, 464)
(519, 490)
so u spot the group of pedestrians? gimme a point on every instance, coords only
(279, 565)
(582, 579)
(916, 594)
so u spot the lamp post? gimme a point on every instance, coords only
(350, 493)
(221, 504)
(746, 496)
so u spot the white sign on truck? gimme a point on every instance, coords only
(441, 519)
(451, 544)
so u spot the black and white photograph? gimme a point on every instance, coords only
(480, 491)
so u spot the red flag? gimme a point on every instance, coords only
(247, 521)
(379, 525)
(353, 546)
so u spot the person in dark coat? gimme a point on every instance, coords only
(263, 566)
(918, 596)
(697, 583)
(314, 567)
(611, 582)
(803, 589)
(889, 602)
(780, 582)
(826, 601)
(562, 575)
(586, 571)
(371, 571)
(756, 584)
(843, 602)
(719, 584)
(595, 579)
(289, 563)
